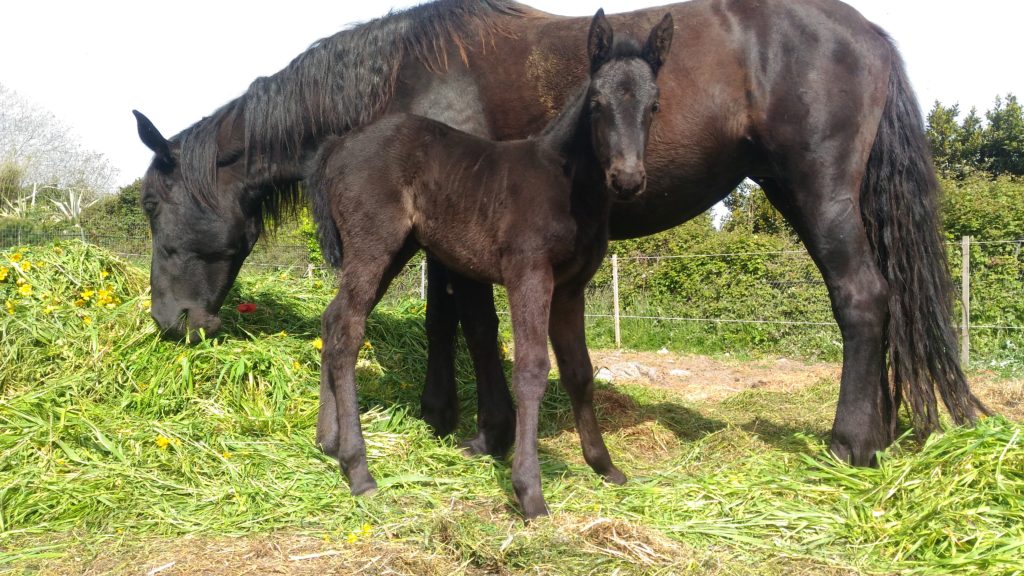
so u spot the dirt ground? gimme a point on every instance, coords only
(704, 379)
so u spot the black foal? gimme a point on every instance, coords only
(530, 214)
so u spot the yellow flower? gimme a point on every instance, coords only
(226, 455)
(3, 273)
(318, 343)
(48, 310)
(58, 251)
(16, 257)
(366, 530)
(79, 303)
(26, 266)
(9, 306)
(282, 334)
(87, 320)
(25, 290)
(367, 345)
(163, 442)
(296, 365)
(87, 295)
(19, 281)
(352, 538)
(104, 274)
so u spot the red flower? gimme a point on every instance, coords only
(246, 308)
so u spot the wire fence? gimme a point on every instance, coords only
(774, 300)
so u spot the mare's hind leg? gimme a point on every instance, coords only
(439, 402)
(365, 277)
(452, 299)
(568, 338)
(826, 214)
(495, 417)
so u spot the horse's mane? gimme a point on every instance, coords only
(340, 82)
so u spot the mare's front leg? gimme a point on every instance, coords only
(529, 298)
(576, 373)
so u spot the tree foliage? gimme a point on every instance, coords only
(44, 154)
(750, 211)
(961, 148)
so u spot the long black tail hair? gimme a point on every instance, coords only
(900, 207)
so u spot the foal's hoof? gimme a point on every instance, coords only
(614, 476)
(364, 488)
(534, 509)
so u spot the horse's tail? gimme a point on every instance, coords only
(900, 207)
(317, 184)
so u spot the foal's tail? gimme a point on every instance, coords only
(899, 204)
(316, 185)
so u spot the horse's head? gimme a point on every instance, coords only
(200, 238)
(622, 99)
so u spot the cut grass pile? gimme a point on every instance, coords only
(112, 440)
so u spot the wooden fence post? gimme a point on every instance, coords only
(965, 301)
(615, 299)
(423, 279)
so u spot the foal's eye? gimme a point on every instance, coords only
(655, 107)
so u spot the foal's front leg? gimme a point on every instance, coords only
(576, 373)
(529, 298)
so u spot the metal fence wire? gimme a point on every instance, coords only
(768, 295)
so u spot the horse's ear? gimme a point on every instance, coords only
(153, 139)
(599, 45)
(656, 50)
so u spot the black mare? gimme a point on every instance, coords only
(531, 215)
(804, 96)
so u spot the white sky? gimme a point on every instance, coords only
(91, 63)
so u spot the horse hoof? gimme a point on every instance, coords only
(615, 476)
(487, 444)
(475, 446)
(862, 457)
(442, 420)
(534, 511)
(365, 488)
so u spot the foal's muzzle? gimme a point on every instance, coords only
(627, 183)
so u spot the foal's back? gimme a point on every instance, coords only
(467, 200)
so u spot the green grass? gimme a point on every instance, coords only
(112, 440)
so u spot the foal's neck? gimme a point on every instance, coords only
(568, 133)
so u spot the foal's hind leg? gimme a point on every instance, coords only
(364, 279)
(576, 374)
(826, 214)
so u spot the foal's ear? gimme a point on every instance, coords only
(656, 50)
(153, 139)
(599, 45)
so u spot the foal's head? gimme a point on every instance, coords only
(622, 100)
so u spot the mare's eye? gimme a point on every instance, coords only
(655, 107)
